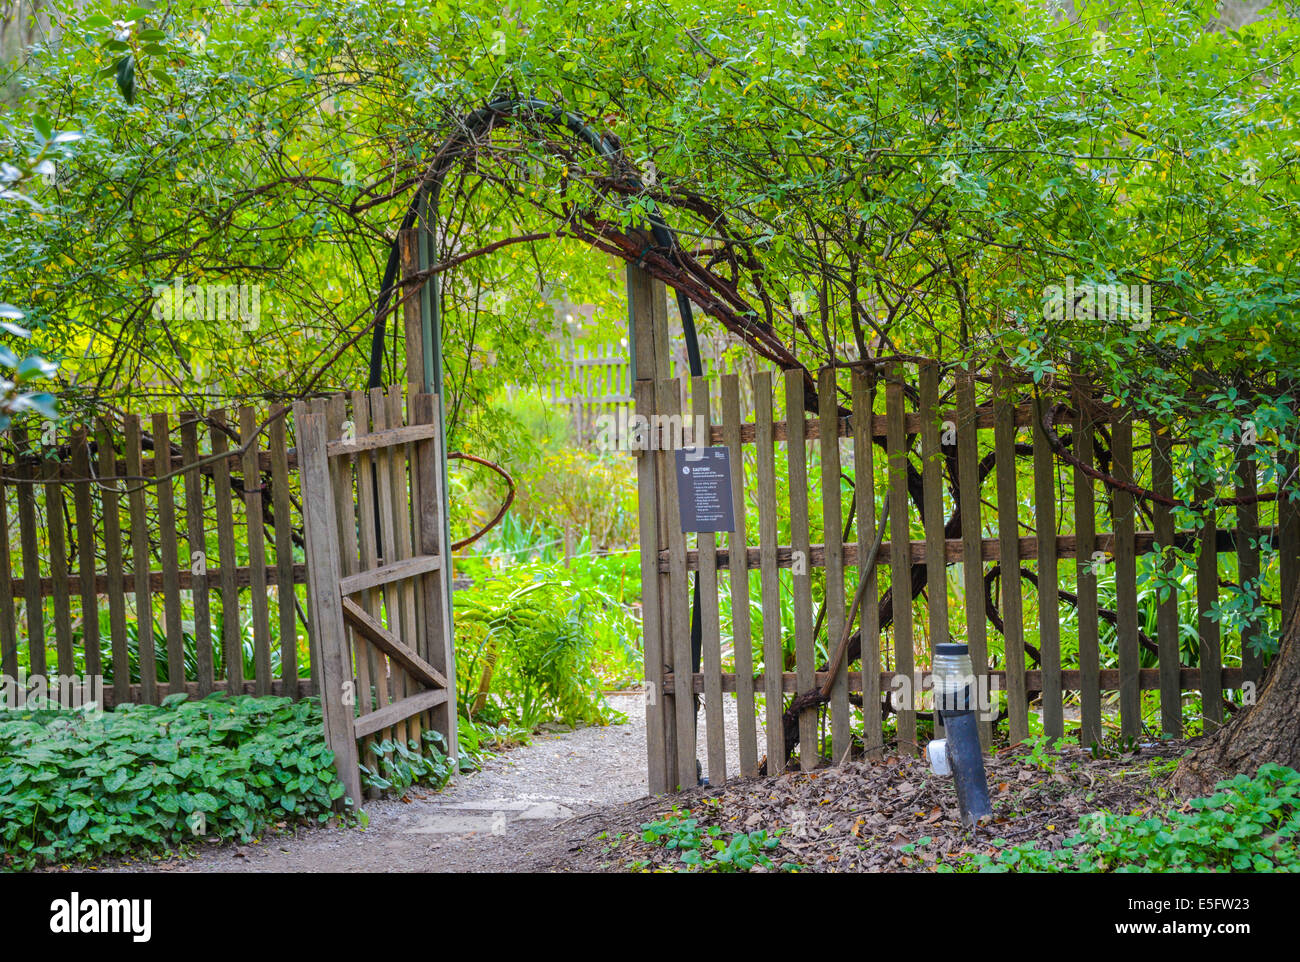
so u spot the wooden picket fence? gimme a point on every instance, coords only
(180, 543)
(986, 434)
(598, 381)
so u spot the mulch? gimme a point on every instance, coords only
(894, 815)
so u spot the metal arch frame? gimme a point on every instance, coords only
(423, 209)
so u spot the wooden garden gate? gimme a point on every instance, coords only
(373, 510)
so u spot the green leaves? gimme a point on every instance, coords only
(705, 849)
(146, 778)
(1248, 824)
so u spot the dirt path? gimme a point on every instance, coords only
(500, 819)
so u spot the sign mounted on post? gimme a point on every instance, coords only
(704, 489)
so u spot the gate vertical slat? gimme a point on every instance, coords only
(258, 608)
(113, 566)
(140, 564)
(388, 550)
(340, 469)
(350, 561)
(401, 488)
(832, 525)
(968, 507)
(652, 634)
(710, 636)
(669, 401)
(437, 619)
(1008, 501)
(197, 545)
(84, 506)
(864, 482)
(1085, 521)
(1162, 483)
(231, 643)
(738, 579)
(1252, 662)
(323, 584)
(376, 664)
(1049, 607)
(28, 537)
(285, 594)
(1126, 618)
(770, 577)
(900, 553)
(56, 532)
(1207, 626)
(804, 644)
(165, 498)
(936, 562)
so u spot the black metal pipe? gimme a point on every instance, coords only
(962, 741)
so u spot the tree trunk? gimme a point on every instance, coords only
(1268, 731)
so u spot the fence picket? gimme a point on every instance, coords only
(113, 567)
(140, 564)
(801, 575)
(1207, 626)
(900, 553)
(83, 503)
(285, 591)
(864, 483)
(936, 564)
(165, 499)
(196, 545)
(259, 610)
(1013, 636)
(738, 580)
(56, 534)
(1126, 616)
(710, 637)
(231, 641)
(1049, 608)
(1085, 521)
(832, 526)
(668, 397)
(28, 537)
(770, 577)
(1252, 661)
(1167, 641)
(968, 481)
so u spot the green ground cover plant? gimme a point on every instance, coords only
(1247, 825)
(78, 786)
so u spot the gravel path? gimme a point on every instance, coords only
(500, 819)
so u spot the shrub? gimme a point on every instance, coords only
(1247, 825)
(85, 785)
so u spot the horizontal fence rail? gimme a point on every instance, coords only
(1070, 628)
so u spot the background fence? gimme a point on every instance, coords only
(158, 555)
(976, 494)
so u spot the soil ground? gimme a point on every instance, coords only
(575, 801)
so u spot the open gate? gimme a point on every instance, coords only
(378, 603)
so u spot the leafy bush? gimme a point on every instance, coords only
(78, 786)
(530, 643)
(1248, 825)
(705, 849)
(397, 764)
